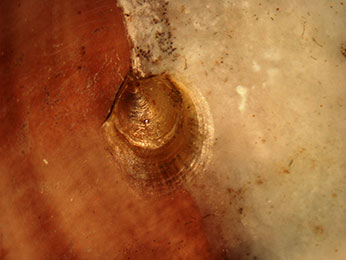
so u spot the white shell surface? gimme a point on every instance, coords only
(273, 74)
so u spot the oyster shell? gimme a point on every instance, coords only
(160, 133)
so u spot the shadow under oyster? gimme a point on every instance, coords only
(160, 132)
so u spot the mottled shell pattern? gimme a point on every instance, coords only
(160, 133)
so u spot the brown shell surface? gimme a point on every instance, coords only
(160, 133)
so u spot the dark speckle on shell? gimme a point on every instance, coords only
(160, 133)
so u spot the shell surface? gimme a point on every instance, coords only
(160, 133)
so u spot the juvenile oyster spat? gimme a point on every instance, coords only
(160, 132)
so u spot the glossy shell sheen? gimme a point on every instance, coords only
(160, 133)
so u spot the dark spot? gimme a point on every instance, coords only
(240, 210)
(289, 165)
(79, 12)
(343, 49)
(83, 50)
(318, 230)
(79, 67)
(97, 30)
(206, 216)
(317, 43)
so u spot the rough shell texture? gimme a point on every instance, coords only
(160, 133)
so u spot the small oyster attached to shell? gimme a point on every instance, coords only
(160, 132)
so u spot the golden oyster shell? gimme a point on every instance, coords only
(160, 133)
